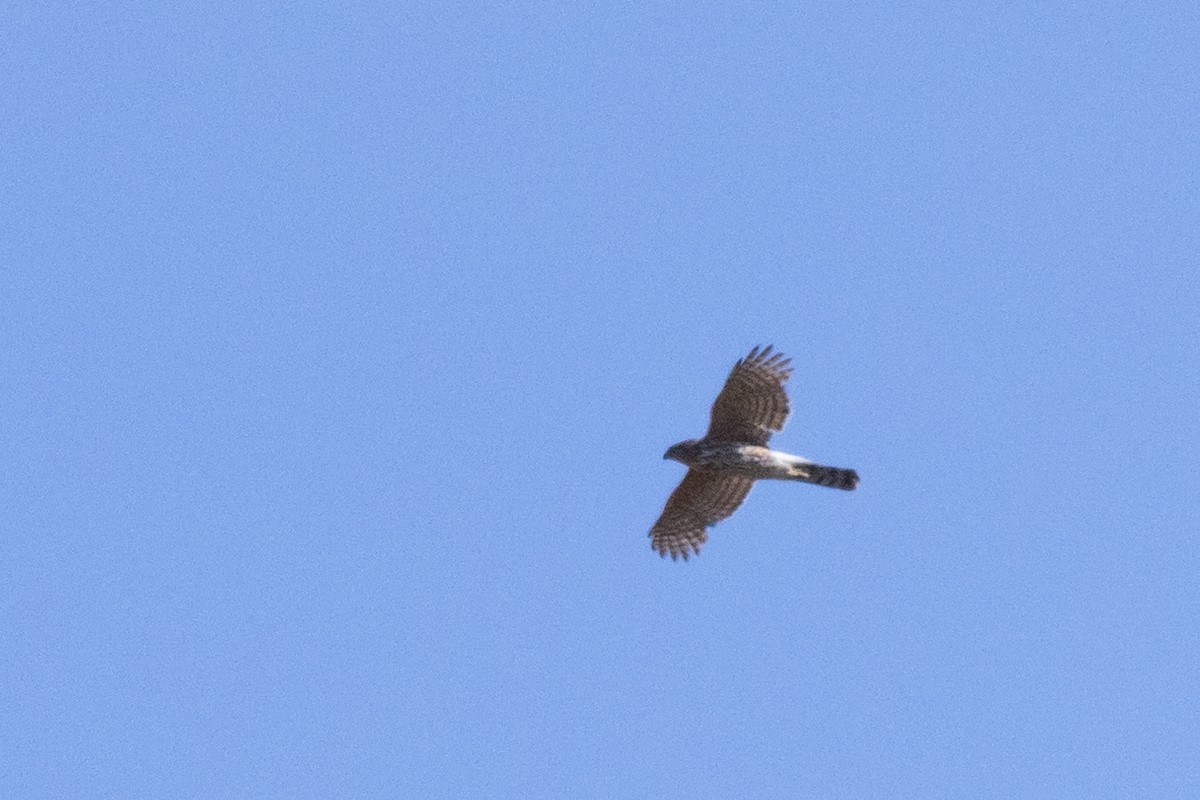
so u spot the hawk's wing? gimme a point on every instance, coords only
(702, 499)
(753, 403)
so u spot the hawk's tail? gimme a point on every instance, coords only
(834, 477)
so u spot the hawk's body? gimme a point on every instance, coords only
(754, 461)
(733, 454)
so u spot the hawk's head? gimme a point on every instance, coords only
(684, 452)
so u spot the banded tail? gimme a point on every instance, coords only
(834, 477)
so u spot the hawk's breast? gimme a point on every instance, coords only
(747, 459)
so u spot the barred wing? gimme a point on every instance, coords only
(702, 499)
(753, 404)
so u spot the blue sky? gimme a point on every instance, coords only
(342, 345)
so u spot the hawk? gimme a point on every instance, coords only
(734, 454)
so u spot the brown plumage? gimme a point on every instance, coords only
(733, 454)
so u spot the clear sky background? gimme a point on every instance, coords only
(341, 344)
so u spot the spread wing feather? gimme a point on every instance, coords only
(753, 404)
(702, 499)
